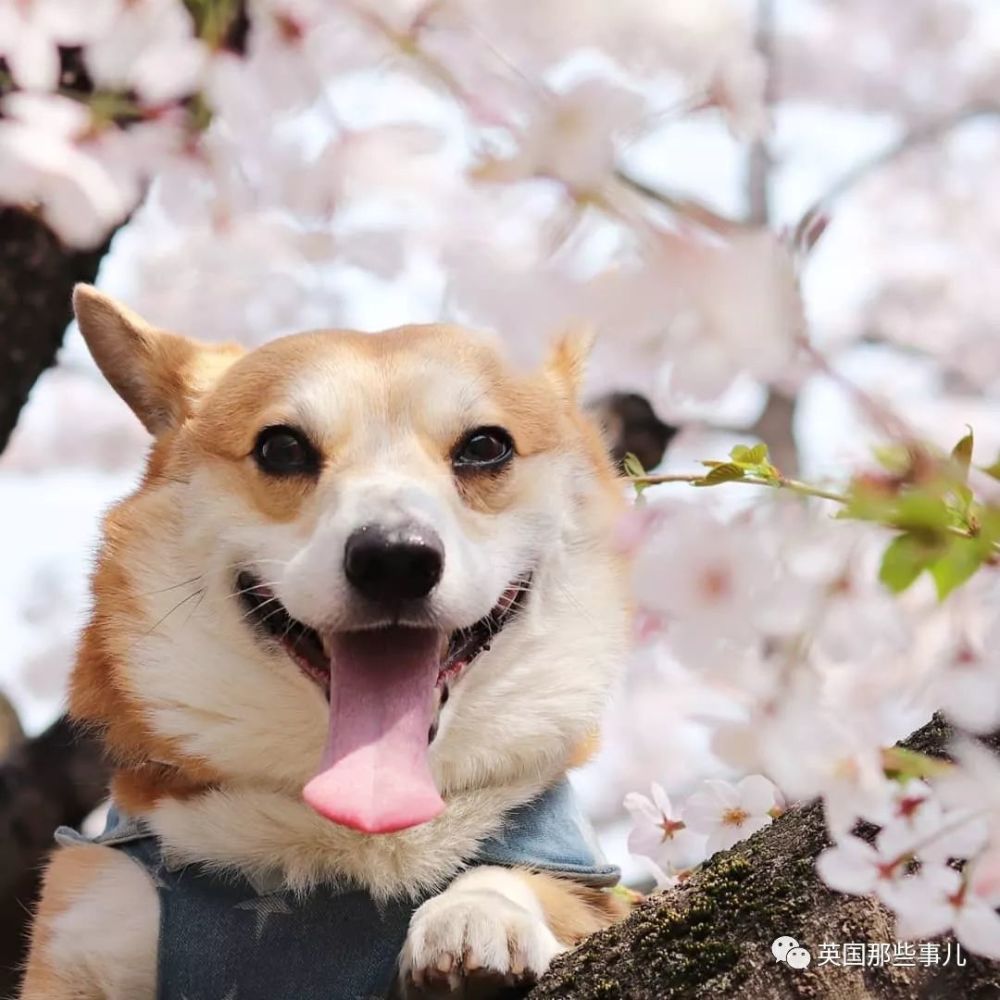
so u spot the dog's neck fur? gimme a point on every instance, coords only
(277, 841)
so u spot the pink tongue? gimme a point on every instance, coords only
(375, 774)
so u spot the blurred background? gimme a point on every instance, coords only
(762, 207)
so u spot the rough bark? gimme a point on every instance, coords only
(37, 275)
(54, 778)
(711, 937)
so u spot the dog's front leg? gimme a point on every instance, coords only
(485, 932)
(493, 928)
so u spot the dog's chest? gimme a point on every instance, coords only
(222, 940)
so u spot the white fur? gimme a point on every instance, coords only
(106, 941)
(209, 684)
(268, 835)
(488, 920)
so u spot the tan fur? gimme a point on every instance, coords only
(574, 911)
(159, 374)
(567, 361)
(213, 735)
(94, 935)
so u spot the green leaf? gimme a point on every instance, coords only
(962, 453)
(921, 509)
(633, 467)
(725, 473)
(903, 765)
(746, 455)
(959, 562)
(894, 458)
(906, 557)
(992, 470)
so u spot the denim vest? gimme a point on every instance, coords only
(223, 938)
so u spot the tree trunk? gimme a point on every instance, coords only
(711, 937)
(37, 275)
(58, 777)
(54, 780)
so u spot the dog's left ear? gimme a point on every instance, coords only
(159, 374)
(567, 361)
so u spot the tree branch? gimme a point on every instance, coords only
(711, 937)
(921, 135)
(37, 275)
(56, 778)
(760, 161)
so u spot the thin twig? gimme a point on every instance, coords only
(792, 485)
(780, 483)
(921, 135)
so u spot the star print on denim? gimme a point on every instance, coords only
(222, 934)
(265, 907)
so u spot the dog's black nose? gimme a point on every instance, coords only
(394, 564)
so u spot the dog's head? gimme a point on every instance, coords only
(376, 567)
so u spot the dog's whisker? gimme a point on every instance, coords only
(175, 586)
(161, 620)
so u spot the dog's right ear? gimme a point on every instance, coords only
(159, 374)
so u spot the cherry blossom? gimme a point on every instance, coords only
(718, 580)
(572, 137)
(30, 34)
(731, 813)
(150, 47)
(939, 899)
(973, 784)
(751, 274)
(659, 835)
(968, 685)
(853, 865)
(44, 159)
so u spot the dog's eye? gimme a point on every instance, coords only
(483, 448)
(283, 451)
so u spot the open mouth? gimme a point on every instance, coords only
(306, 646)
(385, 687)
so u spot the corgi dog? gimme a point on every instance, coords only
(349, 633)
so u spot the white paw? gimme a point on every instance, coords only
(475, 943)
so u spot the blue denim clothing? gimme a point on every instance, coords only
(223, 938)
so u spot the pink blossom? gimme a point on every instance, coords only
(31, 32)
(572, 137)
(658, 833)
(731, 813)
(44, 159)
(855, 866)
(968, 684)
(149, 47)
(939, 899)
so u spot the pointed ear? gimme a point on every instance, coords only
(160, 375)
(567, 361)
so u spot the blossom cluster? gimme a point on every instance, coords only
(282, 158)
(823, 645)
(287, 152)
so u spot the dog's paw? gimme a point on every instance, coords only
(474, 943)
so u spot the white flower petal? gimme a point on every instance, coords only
(849, 867)
(757, 795)
(978, 928)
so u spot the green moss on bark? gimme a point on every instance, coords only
(711, 937)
